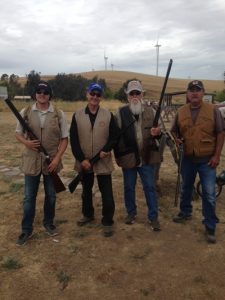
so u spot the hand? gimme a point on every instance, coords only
(104, 154)
(32, 144)
(179, 141)
(53, 164)
(85, 164)
(155, 131)
(214, 161)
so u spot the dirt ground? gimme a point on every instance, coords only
(79, 263)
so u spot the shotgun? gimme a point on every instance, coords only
(179, 181)
(158, 111)
(57, 182)
(152, 141)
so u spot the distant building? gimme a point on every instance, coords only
(3, 92)
(26, 98)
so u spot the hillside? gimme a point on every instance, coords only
(152, 84)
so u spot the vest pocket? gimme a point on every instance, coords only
(30, 163)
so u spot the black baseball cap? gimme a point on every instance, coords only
(44, 85)
(195, 83)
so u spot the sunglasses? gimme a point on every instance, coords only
(134, 93)
(95, 94)
(39, 92)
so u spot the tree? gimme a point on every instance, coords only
(72, 87)
(4, 78)
(32, 80)
(14, 87)
(12, 84)
(220, 96)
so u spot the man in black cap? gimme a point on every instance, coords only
(200, 127)
(50, 126)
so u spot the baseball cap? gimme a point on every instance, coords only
(96, 87)
(195, 83)
(134, 85)
(43, 85)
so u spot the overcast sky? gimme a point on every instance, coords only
(71, 36)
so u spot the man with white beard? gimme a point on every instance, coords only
(135, 152)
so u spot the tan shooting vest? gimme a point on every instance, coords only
(92, 140)
(33, 163)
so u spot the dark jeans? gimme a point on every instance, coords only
(105, 187)
(207, 176)
(29, 204)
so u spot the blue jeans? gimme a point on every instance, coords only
(207, 176)
(29, 204)
(147, 178)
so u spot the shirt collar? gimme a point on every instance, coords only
(50, 108)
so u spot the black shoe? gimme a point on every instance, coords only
(23, 237)
(155, 224)
(130, 219)
(180, 218)
(210, 235)
(108, 230)
(51, 230)
(85, 220)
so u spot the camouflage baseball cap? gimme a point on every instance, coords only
(134, 85)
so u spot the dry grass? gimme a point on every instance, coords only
(136, 263)
(66, 106)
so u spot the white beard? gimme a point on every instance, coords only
(136, 108)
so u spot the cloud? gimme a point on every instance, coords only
(72, 36)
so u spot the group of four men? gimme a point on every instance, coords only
(198, 125)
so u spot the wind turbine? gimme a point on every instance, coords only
(105, 58)
(157, 56)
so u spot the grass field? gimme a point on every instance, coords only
(79, 263)
(136, 263)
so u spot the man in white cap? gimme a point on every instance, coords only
(134, 152)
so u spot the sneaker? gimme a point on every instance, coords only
(85, 220)
(155, 224)
(51, 230)
(210, 235)
(130, 219)
(23, 237)
(180, 218)
(108, 231)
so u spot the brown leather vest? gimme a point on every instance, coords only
(200, 138)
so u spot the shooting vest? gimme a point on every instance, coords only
(133, 149)
(92, 140)
(33, 163)
(200, 138)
